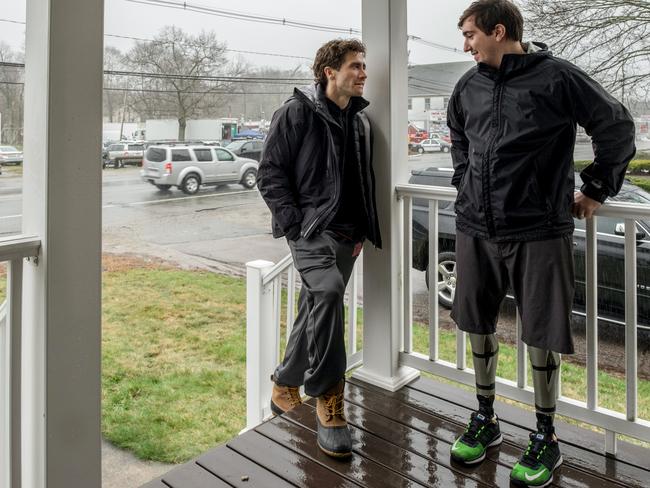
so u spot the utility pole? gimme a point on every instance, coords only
(123, 114)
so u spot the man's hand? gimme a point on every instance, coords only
(583, 207)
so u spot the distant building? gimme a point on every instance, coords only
(430, 86)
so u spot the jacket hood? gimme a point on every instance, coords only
(313, 96)
(534, 53)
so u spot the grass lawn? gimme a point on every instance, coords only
(174, 360)
(13, 170)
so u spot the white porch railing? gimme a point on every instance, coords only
(590, 412)
(264, 305)
(12, 251)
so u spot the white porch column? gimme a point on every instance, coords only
(62, 205)
(385, 35)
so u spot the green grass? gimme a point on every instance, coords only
(173, 361)
(640, 181)
(13, 170)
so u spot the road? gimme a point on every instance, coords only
(219, 228)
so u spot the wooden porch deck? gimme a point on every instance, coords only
(401, 439)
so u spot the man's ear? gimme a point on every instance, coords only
(329, 72)
(499, 32)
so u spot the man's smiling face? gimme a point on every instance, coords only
(484, 47)
(350, 79)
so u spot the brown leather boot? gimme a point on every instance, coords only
(284, 398)
(334, 436)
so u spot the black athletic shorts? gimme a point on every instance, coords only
(541, 276)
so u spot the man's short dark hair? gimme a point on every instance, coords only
(333, 54)
(488, 13)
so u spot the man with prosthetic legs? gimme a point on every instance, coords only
(512, 121)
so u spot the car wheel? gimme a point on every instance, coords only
(445, 149)
(420, 150)
(249, 180)
(446, 278)
(116, 164)
(163, 187)
(191, 184)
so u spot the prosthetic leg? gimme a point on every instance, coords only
(482, 430)
(542, 456)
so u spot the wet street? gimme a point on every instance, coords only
(222, 227)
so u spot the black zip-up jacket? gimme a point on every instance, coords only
(513, 134)
(299, 174)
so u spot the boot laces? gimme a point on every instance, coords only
(292, 394)
(334, 406)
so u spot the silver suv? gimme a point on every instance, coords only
(189, 167)
(121, 153)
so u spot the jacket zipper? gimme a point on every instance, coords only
(307, 232)
(485, 174)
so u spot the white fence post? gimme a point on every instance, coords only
(260, 336)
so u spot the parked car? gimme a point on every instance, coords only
(251, 148)
(123, 153)
(432, 145)
(611, 256)
(189, 167)
(441, 136)
(10, 155)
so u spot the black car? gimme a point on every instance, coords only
(249, 148)
(611, 272)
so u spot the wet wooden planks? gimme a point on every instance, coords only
(401, 439)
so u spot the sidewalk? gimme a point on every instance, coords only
(121, 469)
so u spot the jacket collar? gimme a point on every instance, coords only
(512, 64)
(314, 97)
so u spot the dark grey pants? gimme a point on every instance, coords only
(315, 355)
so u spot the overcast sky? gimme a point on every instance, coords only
(433, 21)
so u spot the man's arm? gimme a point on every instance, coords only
(611, 128)
(274, 176)
(459, 142)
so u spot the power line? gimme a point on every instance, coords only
(232, 14)
(436, 45)
(147, 90)
(170, 76)
(261, 19)
(234, 79)
(12, 21)
(278, 55)
(144, 39)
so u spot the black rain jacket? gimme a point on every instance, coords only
(513, 133)
(299, 174)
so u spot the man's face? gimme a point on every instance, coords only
(484, 47)
(350, 78)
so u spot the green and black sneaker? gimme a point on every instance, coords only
(481, 433)
(536, 465)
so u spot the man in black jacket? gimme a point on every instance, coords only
(316, 177)
(513, 124)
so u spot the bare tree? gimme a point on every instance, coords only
(607, 38)
(113, 84)
(11, 96)
(181, 70)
